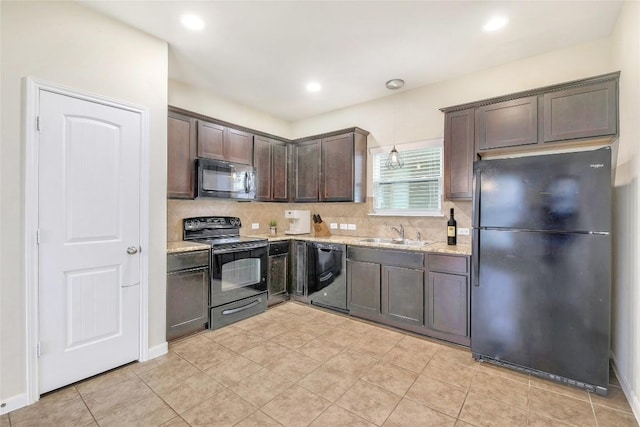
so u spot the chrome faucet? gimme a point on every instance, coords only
(400, 231)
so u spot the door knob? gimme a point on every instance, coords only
(132, 250)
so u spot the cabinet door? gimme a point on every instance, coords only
(448, 303)
(262, 164)
(187, 299)
(363, 283)
(277, 275)
(582, 112)
(307, 171)
(336, 179)
(181, 154)
(459, 154)
(279, 172)
(403, 295)
(210, 140)
(238, 146)
(507, 124)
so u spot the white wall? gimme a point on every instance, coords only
(626, 215)
(207, 103)
(65, 43)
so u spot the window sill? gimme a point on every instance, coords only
(427, 214)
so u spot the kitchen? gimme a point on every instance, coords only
(418, 117)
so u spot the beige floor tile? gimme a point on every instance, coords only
(148, 412)
(511, 374)
(557, 387)
(614, 400)
(450, 372)
(140, 368)
(608, 417)
(258, 419)
(109, 399)
(67, 409)
(241, 341)
(613, 378)
(369, 401)
(314, 328)
(4, 420)
(202, 352)
(191, 392)
(331, 319)
(176, 422)
(461, 423)
(261, 387)
(560, 407)
(105, 380)
(293, 339)
(411, 353)
(373, 344)
(358, 327)
(455, 354)
(502, 389)
(327, 382)
(266, 353)
(336, 416)
(223, 409)
(232, 371)
(320, 349)
(342, 336)
(437, 395)
(252, 323)
(222, 333)
(167, 376)
(270, 330)
(386, 334)
(350, 363)
(391, 377)
(537, 420)
(296, 407)
(410, 413)
(293, 366)
(483, 411)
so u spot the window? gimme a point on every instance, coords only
(414, 189)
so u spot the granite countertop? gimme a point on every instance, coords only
(182, 246)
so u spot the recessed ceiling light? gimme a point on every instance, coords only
(394, 84)
(314, 87)
(495, 23)
(192, 22)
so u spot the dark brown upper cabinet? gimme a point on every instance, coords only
(459, 153)
(219, 142)
(181, 153)
(306, 160)
(581, 112)
(270, 162)
(507, 124)
(331, 169)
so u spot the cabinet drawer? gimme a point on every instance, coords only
(238, 310)
(187, 260)
(387, 257)
(448, 263)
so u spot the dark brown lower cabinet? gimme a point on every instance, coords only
(402, 294)
(363, 284)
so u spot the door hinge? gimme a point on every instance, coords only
(38, 349)
(38, 123)
(38, 236)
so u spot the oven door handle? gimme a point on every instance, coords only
(244, 307)
(243, 249)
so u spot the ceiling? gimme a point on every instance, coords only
(262, 53)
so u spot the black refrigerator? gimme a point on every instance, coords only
(541, 277)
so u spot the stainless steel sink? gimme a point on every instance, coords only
(388, 241)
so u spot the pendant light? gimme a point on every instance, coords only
(394, 160)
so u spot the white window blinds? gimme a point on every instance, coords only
(416, 188)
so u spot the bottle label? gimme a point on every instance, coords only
(451, 231)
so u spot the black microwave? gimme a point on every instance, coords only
(216, 178)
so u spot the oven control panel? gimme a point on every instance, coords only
(202, 222)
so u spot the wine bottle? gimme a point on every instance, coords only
(452, 229)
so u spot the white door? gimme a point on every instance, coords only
(89, 233)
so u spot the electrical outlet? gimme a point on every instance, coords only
(343, 226)
(333, 226)
(463, 231)
(255, 226)
(351, 226)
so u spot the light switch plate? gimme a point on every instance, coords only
(255, 225)
(351, 226)
(463, 231)
(343, 226)
(333, 226)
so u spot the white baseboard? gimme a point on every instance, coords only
(15, 402)
(158, 350)
(627, 389)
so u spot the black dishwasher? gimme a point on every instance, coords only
(278, 272)
(326, 275)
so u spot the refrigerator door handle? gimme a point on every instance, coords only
(475, 258)
(475, 214)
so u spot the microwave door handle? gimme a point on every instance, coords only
(246, 182)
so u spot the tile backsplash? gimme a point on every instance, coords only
(431, 228)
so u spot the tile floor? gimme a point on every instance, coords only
(297, 365)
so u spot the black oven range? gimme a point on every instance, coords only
(238, 266)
